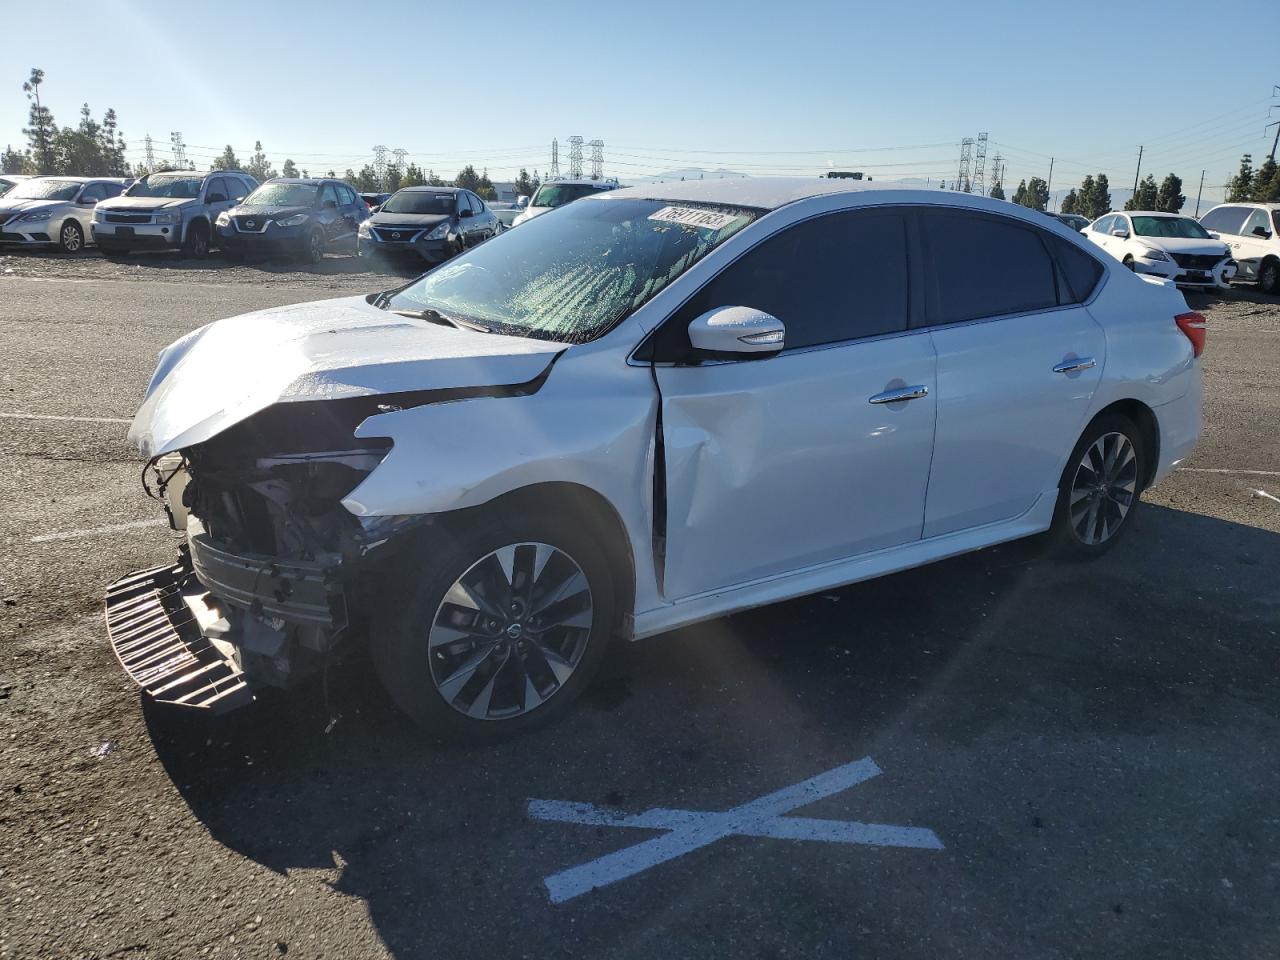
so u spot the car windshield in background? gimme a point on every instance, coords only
(171, 188)
(558, 194)
(1183, 227)
(283, 195)
(411, 201)
(45, 190)
(571, 277)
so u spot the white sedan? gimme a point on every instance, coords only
(1165, 245)
(662, 404)
(53, 211)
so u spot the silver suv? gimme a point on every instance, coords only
(169, 211)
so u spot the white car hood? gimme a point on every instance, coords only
(9, 207)
(227, 371)
(1186, 245)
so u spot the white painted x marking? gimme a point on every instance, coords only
(687, 830)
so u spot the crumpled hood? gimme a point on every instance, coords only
(9, 207)
(1191, 245)
(144, 203)
(270, 211)
(225, 372)
(415, 220)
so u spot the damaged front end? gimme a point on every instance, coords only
(275, 572)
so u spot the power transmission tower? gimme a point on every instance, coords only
(179, 150)
(150, 154)
(597, 159)
(997, 172)
(966, 156)
(575, 158)
(380, 165)
(554, 173)
(980, 166)
(399, 153)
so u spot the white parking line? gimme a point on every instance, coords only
(691, 829)
(81, 532)
(1269, 496)
(51, 416)
(1254, 473)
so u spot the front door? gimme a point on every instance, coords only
(777, 464)
(1018, 363)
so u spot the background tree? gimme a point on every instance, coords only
(1020, 195)
(1144, 198)
(435, 181)
(259, 167)
(226, 161)
(413, 176)
(484, 187)
(1266, 182)
(467, 178)
(526, 186)
(113, 146)
(40, 127)
(1033, 193)
(366, 181)
(997, 190)
(394, 178)
(1169, 199)
(290, 169)
(1069, 203)
(1240, 186)
(1095, 197)
(14, 161)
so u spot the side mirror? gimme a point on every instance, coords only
(215, 198)
(1262, 232)
(466, 213)
(737, 330)
(1122, 232)
(1214, 234)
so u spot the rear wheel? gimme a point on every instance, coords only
(495, 626)
(1100, 487)
(71, 237)
(1269, 276)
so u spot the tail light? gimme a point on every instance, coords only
(1192, 324)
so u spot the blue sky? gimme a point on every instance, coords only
(758, 87)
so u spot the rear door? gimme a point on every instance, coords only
(772, 465)
(1255, 240)
(330, 215)
(1019, 359)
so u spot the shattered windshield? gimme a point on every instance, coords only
(171, 188)
(45, 190)
(570, 276)
(283, 195)
(1181, 227)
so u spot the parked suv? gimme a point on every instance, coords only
(1165, 245)
(433, 223)
(295, 217)
(53, 211)
(556, 193)
(169, 211)
(1253, 232)
(658, 406)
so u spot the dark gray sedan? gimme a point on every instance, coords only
(432, 223)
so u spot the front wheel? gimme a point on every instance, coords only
(71, 237)
(313, 252)
(1269, 277)
(494, 626)
(1100, 487)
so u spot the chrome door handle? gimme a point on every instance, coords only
(1076, 365)
(902, 393)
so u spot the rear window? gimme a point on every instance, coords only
(558, 194)
(1224, 219)
(983, 266)
(420, 202)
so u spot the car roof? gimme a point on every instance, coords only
(1266, 204)
(58, 176)
(423, 188)
(308, 181)
(575, 181)
(1154, 213)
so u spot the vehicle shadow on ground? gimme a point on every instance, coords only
(1003, 644)
(1203, 299)
(215, 262)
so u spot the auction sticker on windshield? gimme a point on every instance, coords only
(692, 217)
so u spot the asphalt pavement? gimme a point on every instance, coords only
(1093, 747)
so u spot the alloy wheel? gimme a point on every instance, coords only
(510, 631)
(317, 248)
(71, 239)
(1104, 488)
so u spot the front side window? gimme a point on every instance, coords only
(1178, 227)
(45, 190)
(93, 193)
(838, 277)
(421, 202)
(1257, 221)
(1224, 219)
(328, 196)
(283, 195)
(558, 194)
(985, 266)
(1103, 225)
(167, 186)
(572, 277)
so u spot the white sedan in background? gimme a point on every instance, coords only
(53, 211)
(1165, 245)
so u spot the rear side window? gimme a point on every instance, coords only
(1224, 219)
(984, 266)
(328, 195)
(838, 277)
(347, 195)
(1080, 272)
(1257, 220)
(1104, 225)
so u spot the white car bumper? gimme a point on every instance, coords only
(34, 233)
(1218, 275)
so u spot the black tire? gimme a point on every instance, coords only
(1072, 530)
(313, 249)
(1269, 276)
(405, 617)
(1128, 262)
(70, 237)
(195, 245)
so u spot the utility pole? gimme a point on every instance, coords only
(1048, 187)
(1136, 172)
(1198, 192)
(1276, 140)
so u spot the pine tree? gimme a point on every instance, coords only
(413, 176)
(997, 190)
(227, 161)
(1241, 185)
(1101, 197)
(1144, 198)
(14, 161)
(259, 167)
(467, 178)
(1020, 195)
(1069, 203)
(1266, 182)
(290, 169)
(40, 127)
(1169, 199)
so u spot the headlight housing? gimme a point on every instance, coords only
(99, 214)
(169, 216)
(224, 219)
(363, 229)
(441, 230)
(37, 216)
(297, 220)
(1150, 254)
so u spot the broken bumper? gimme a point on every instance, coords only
(157, 639)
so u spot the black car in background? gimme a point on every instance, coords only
(1072, 221)
(289, 216)
(433, 223)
